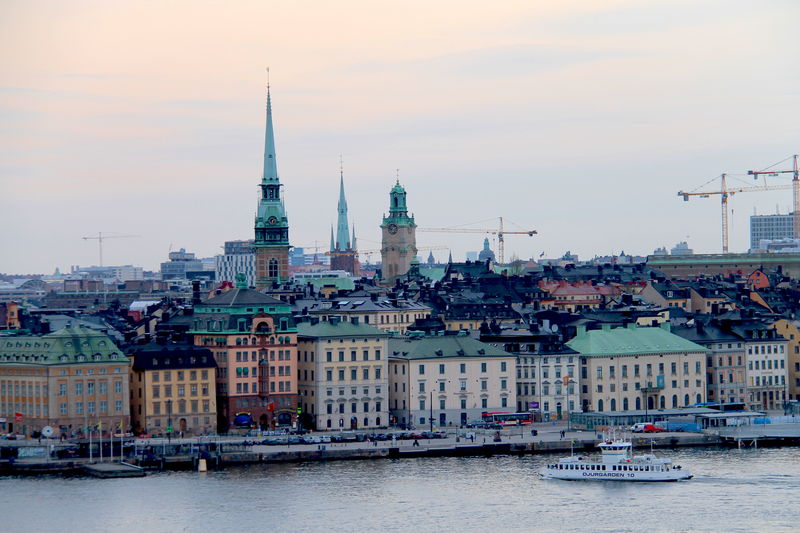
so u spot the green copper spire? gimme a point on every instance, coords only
(333, 242)
(272, 225)
(270, 165)
(342, 231)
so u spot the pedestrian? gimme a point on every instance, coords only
(416, 442)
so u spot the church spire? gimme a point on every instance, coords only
(270, 165)
(353, 241)
(333, 243)
(342, 230)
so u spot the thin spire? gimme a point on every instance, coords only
(342, 230)
(270, 164)
(353, 242)
(333, 246)
(397, 175)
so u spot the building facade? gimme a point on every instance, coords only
(271, 243)
(399, 238)
(173, 390)
(237, 259)
(790, 330)
(254, 341)
(446, 380)
(637, 367)
(343, 375)
(770, 227)
(69, 380)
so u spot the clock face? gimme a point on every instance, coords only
(392, 228)
(272, 220)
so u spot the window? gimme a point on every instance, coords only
(78, 388)
(484, 385)
(442, 404)
(378, 355)
(504, 402)
(441, 386)
(421, 370)
(503, 384)
(503, 366)
(441, 369)
(483, 367)
(365, 355)
(352, 355)
(421, 386)
(341, 375)
(328, 356)
(365, 373)
(599, 372)
(484, 403)
(462, 368)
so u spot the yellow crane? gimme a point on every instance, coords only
(100, 238)
(500, 232)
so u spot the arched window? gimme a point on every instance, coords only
(273, 268)
(238, 341)
(699, 398)
(624, 404)
(244, 341)
(366, 421)
(686, 401)
(638, 403)
(674, 401)
(600, 406)
(662, 402)
(613, 404)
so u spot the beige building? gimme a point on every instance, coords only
(634, 367)
(172, 390)
(451, 379)
(342, 375)
(69, 380)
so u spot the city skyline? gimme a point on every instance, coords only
(579, 121)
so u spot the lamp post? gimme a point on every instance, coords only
(431, 410)
(169, 420)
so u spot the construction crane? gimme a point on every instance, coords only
(725, 192)
(500, 232)
(100, 238)
(369, 252)
(795, 190)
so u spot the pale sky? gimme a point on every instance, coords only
(581, 120)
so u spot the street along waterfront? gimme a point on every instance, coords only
(733, 490)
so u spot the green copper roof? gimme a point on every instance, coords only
(342, 229)
(69, 345)
(630, 341)
(345, 284)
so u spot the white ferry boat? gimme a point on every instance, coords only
(616, 463)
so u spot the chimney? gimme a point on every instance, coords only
(196, 292)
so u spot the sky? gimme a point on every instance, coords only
(580, 119)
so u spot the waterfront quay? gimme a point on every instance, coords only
(221, 451)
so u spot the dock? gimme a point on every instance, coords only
(113, 470)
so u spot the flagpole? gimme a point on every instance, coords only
(100, 438)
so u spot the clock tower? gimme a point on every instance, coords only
(399, 241)
(271, 244)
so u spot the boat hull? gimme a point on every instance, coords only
(573, 475)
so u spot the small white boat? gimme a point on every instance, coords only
(616, 463)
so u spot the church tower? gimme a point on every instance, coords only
(271, 243)
(343, 249)
(399, 241)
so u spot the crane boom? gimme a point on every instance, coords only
(100, 238)
(726, 192)
(499, 231)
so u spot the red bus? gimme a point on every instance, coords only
(508, 419)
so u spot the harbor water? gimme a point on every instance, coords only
(733, 490)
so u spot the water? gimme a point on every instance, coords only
(748, 490)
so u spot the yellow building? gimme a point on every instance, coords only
(790, 330)
(67, 380)
(172, 390)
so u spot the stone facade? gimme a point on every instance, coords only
(69, 380)
(344, 379)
